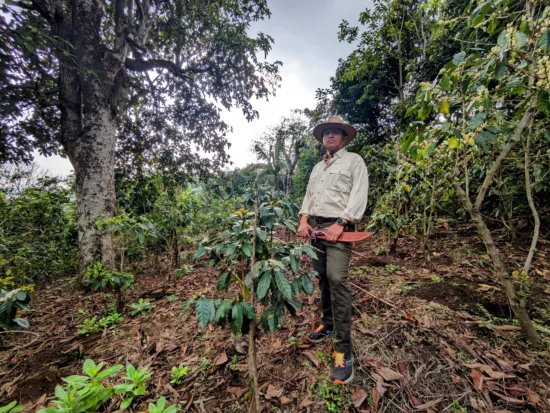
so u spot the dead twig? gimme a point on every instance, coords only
(373, 296)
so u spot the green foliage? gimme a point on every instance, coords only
(84, 393)
(13, 300)
(12, 407)
(92, 325)
(178, 373)
(184, 270)
(134, 385)
(38, 235)
(141, 307)
(160, 407)
(275, 260)
(100, 277)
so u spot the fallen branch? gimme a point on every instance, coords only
(373, 296)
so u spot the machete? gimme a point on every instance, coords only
(345, 237)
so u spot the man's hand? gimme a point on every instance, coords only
(304, 229)
(334, 232)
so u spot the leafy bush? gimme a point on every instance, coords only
(231, 251)
(11, 301)
(38, 234)
(89, 393)
(99, 277)
(84, 393)
(134, 386)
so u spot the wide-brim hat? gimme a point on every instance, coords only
(335, 122)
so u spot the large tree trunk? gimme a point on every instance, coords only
(88, 89)
(95, 188)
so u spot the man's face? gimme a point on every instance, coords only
(333, 139)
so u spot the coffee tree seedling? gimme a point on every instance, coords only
(258, 264)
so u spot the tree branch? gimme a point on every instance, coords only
(146, 65)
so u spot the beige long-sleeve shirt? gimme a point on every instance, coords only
(338, 189)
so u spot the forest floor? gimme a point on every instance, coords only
(436, 341)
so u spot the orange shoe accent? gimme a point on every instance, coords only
(320, 328)
(339, 382)
(338, 359)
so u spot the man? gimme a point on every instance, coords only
(335, 199)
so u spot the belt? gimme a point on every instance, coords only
(322, 220)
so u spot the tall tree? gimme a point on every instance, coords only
(78, 75)
(280, 147)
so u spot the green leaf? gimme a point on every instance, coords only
(236, 318)
(205, 311)
(222, 311)
(296, 285)
(269, 220)
(261, 234)
(445, 82)
(309, 251)
(268, 320)
(89, 368)
(521, 39)
(283, 285)
(248, 310)
(247, 249)
(459, 58)
(279, 211)
(126, 402)
(223, 282)
(141, 239)
(543, 104)
(294, 263)
(502, 41)
(544, 41)
(201, 251)
(476, 120)
(21, 322)
(307, 284)
(296, 304)
(263, 285)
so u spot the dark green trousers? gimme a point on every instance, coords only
(332, 264)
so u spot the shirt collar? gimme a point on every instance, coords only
(340, 153)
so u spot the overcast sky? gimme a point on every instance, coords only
(305, 34)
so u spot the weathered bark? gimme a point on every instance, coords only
(88, 87)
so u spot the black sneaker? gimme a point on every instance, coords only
(319, 335)
(342, 373)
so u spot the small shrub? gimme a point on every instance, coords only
(141, 307)
(13, 300)
(99, 277)
(134, 386)
(91, 325)
(84, 393)
(178, 373)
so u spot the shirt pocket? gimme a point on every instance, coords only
(340, 181)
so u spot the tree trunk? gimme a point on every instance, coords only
(93, 159)
(518, 305)
(88, 87)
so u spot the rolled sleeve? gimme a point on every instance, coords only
(358, 198)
